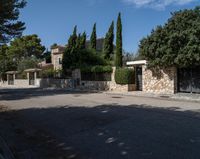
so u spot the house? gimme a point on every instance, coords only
(166, 80)
(57, 53)
(56, 57)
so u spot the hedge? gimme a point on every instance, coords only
(97, 69)
(91, 76)
(124, 76)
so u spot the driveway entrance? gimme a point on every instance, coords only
(189, 80)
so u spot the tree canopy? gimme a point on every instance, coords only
(9, 14)
(6, 63)
(177, 43)
(26, 46)
(76, 55)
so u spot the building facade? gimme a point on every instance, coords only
(57, 56)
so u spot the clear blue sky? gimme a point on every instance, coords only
(53, 20)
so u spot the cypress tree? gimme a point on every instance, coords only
(108, 42)
(83, 40)
(118, 56)
(73, 39)
(69, 51)
(93, 38)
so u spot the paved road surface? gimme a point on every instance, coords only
(59, 124)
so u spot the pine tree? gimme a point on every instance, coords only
(118, 56)
(108, 42)
(93, 38)
(10, 27)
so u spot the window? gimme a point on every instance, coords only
(60, 61)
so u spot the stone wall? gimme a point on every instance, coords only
(56, 83)
(107, 85)
(95, 85)
(159, 81)
(18, 83)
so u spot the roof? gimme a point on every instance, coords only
(140, 62)
(11, 72)
(33, 70)
(58, 46)
(61, 49)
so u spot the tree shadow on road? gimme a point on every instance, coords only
(18, 94)
(104, 132)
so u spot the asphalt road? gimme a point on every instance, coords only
(51, 124)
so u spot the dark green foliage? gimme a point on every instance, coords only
(97, 69)
(21, 75)
(71, 52)
(73, 39)
(6, 62)
(27, 63)
(80, 41)
(93, 38)
(96, 73)
(108, 42)
(92, 76)
(83, 41)
(124, 76)
(177, 43)
(9, 14)
(49, 73)
(25, 47)
(77, 56)
(118, 56)
(47, 56)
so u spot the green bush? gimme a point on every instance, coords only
(49, 73)
(125, 76)
(22, 75)
(97, 69)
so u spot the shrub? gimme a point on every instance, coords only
(27, 63)
(125, 76)
(47, 73)
(97, 69)
(21, 75)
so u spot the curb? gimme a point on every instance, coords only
(162, 97)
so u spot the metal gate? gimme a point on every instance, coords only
(31, 78)
(189, 80)
(139, 78)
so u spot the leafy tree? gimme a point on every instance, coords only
(108, 42)
(118, 56)
(27, 63)
(26, 46)
(6, 63)
(47, 56)
(177, 43)
(93, 38)
(9, 14)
